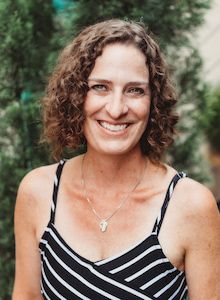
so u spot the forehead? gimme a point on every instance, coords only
(121, 59)
(118, 48)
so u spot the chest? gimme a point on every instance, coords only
(141, 272)
(126, 254)
(132, 224)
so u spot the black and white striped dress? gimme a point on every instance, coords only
(141, 272)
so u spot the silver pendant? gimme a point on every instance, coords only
(103, 225)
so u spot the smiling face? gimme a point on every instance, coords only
(117, 104)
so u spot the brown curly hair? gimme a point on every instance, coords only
(63, 105)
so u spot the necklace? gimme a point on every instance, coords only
(103, 222)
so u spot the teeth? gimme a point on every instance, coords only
(112, 127)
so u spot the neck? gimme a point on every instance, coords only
(111, 174)
(115, 171)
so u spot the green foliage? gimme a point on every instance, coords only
(26, 32)
(211, 119)
(19, 153)
(187, 152)
(170, 20)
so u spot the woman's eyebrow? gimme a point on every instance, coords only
(99, 80)
(146, 83)
(138, 83)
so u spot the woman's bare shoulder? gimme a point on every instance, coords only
(38, 183)
(37, 179)
(197, 211)
(195, 197)
(35, 189)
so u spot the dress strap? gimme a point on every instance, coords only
(55, 190)
(159, 220)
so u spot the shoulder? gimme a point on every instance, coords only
(34, 194)
(195, 197)
(36, 179)
(37, 185)
(189, 195)
(197, 212)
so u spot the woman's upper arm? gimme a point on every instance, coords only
(202, 233)
(27, 269)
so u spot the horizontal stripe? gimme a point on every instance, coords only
(163, 290)
(155, 279)
(142, 271)
(134, 260)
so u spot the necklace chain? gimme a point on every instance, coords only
(103, 224)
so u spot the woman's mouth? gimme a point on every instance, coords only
(113, 127)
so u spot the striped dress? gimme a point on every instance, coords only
(141, 272)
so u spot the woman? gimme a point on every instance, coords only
(121, 223)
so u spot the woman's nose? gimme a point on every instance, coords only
(116, 106)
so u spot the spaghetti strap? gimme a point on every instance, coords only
(159, 220)
(55, 190)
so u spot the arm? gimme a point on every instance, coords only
(202, 233)
(27, 273)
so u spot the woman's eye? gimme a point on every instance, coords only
(99, 87)
(136, 91)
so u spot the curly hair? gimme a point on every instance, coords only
(63, 114)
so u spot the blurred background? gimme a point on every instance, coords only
(208, 43)
(33, 32)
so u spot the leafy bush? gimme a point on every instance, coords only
(212, 119)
